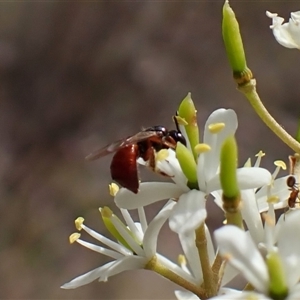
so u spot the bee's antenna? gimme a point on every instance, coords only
(176, 122)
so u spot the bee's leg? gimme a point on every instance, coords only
(150, 158)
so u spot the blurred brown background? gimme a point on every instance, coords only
(77, 75)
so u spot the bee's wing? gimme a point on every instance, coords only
(139, 137)
(113, 147)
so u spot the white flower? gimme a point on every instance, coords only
(237, 247)
(255, 201)
(142, 242)
(190, 209)
(287, 34)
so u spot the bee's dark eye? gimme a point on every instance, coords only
(177, 136)
(158, 129)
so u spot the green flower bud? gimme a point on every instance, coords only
(234, 46)
(188, 165)
(278, 287)
(188, 113)
(228, 166)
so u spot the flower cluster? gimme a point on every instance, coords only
(253, 242)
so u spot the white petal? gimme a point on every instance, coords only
(151, 234)
(189, 213)
(218, 198)
(210, 246)
(127, 263)
(191, 253)
(208, 162)
(171, 167)
(240, 295)
(289, 246)
(184, 295)
(279, 189)
(150, 192)
(248, 178)
(251, 215)
(241, 252)
(132, 225)
(87, 277)
(295, 293)
(229, 273)
(287, 34)
(127, 236)
(176, 269)
(142, 218)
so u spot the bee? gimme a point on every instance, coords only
(294, 195)
(143, 144)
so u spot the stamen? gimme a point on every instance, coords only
(113, 189)
(79, 222)
(268, 219)
(280, 165)
(74, 237)
(259, 156)
(216, 127)
(201, 148)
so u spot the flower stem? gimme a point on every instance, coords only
(159, 268)
(218, 268)
(249, 90)
(234, 218)
(209, 278)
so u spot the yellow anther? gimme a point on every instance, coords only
(201, 148)
(106, 212)
(113, 189)
(280, 164)
(162, 155)
(273, 199)
(260, 154)
(74, 237)
(79, 222)
(216, 127)
(181, 121)
(181, 260)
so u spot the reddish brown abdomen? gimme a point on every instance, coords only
(123, 167)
